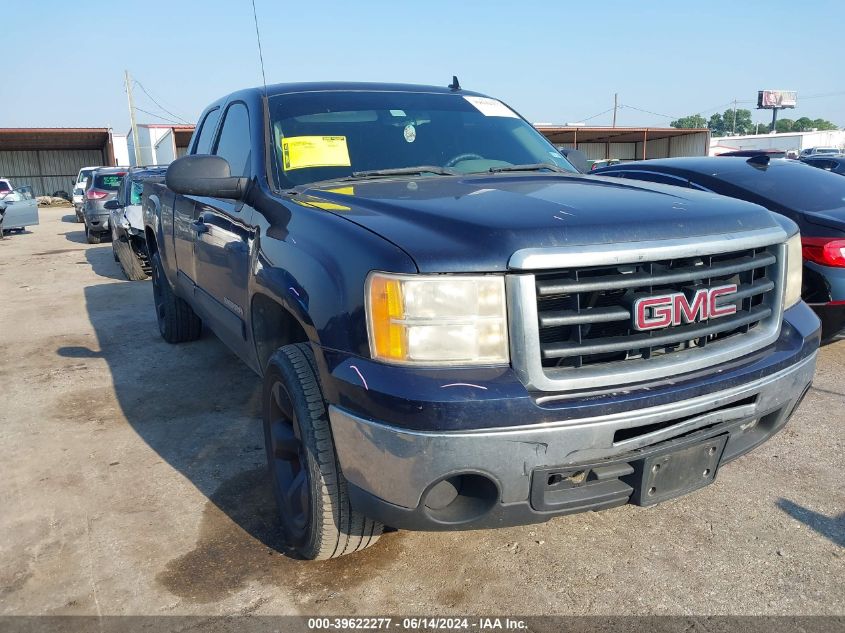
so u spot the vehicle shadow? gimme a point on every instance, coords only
(69, 218)
(832, 528)
(102, 262)
(77, 237)
(196, 404)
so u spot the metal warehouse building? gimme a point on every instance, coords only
(48, 159)
(629, 143)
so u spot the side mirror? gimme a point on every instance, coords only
(111, 205)
(204, 175)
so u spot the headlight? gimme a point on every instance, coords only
(437, 319)
(794, 268)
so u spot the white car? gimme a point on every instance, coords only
(82, 180)
(5, 187)
(816, 151)
(18, 209)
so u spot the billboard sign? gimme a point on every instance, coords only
(769, 99)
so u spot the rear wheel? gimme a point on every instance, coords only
(93, 237)
(177, 321)
(317, 518)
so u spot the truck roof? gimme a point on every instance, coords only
(348, 86)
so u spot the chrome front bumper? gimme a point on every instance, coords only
(398, 466)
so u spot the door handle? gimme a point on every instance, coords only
(199, 226)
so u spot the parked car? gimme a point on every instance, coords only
(127, 223)
(455, 330)
(5, 186)
(810, 197)
(814, 151)
(83, 179)
(833, 164)
(604, 162)
(18, 210)
(103, 186)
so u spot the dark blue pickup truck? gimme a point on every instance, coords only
(454, 328)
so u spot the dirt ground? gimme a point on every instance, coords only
(132, 482)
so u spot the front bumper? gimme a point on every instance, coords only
(519, 473)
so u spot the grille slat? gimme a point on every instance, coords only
(547, 288)
(573, 317)
(678, 334)
(585, 314)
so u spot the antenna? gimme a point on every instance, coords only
(260, 54)
(455, 85)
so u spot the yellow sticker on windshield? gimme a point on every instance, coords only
(300, 152)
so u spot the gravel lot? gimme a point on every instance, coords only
(132, 482)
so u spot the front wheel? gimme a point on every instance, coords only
(317, 518)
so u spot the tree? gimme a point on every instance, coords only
(690, 122)
(784, 125)
(821, 124)
(716, 125)
(725, 124)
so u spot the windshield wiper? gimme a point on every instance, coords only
(531, 167)
(405, 171)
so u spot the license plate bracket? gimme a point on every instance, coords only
(674, 473)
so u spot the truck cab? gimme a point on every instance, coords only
(454, 328)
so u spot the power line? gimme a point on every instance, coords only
(630, 107)
(595, 115)
(158, 116)
(141, 86)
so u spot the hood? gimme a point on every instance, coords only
(475, 223)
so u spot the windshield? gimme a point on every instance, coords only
(827, 150)
(794, 185)
(330, 135)
(85, 174)
(4, 186)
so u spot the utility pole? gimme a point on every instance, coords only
(615, 106)
(734, 125)
(132, 118)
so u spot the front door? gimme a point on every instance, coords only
(21, 208)
(224, 238)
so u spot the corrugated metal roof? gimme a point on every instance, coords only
(560, 135)
(53, 138)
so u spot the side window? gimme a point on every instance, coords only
(206, 132)
(234, 141)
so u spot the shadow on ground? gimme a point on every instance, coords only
(832, 528)
(198, 407)
(102, 261)
(69, 218)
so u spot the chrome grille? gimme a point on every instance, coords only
(584, 314)
(569, 308)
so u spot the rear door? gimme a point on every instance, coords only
(225, 235)
(184, 229)
(21, 209)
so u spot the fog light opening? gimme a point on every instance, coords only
(460, 498)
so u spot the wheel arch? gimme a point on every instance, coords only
(273, 326)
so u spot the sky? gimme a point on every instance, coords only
(553, 61)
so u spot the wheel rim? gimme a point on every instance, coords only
(158, 298)
(288, 464)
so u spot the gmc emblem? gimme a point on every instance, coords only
(652, 313)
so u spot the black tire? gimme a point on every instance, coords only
(177, 321)
(317, 518)
(129, 263)
(92, 236)
(79, 218)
